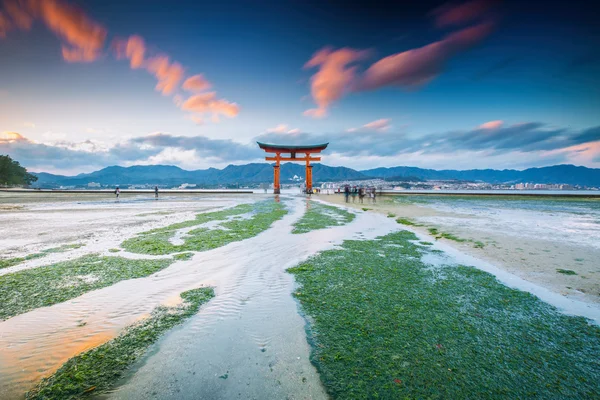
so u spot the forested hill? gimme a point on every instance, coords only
(167, 175)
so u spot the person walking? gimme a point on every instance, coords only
(347, 192)
(374, 195)
(361, 194)
(117, 192)
(156, 192)
(354, 194)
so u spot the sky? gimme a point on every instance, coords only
(432, 84)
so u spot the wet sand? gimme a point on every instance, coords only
(535, 259)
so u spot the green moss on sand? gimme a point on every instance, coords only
(183, 256)
(157, 241)
(383, 324)
(566, 271)
(406, 221)
(321, 216)
(97, 370)
(29, 289)
(9, 262)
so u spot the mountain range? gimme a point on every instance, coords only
(168, 175)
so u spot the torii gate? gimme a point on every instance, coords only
(278, 149)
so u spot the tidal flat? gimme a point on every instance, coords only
(530, 237)
(250, 337)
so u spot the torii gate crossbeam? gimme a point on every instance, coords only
(293, 152)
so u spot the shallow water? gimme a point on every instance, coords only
(250, 332)
(569, 220)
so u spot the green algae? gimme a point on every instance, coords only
(183, 256)
(321, 216)
(406, 221)
(9, 262)
(157, 241)
(566, 271)
(44, 286)
(97, 370)
(394, 327)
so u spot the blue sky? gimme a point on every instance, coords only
(538, 63)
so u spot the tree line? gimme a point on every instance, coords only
(13, 174)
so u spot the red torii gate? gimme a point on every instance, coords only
(279, 149)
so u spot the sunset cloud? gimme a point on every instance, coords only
(333, 79)
(419, 66)
(169, 74)
(380, 125)
(459, 14)
(207, 103)
(83, 39)
(491, 125)
(196, 83)
(283, 128)
(408, 69)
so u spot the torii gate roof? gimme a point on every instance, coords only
(285, 148)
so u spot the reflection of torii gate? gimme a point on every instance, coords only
(278, 149)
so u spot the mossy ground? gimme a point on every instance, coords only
(157, 241)
(97, 370)
(320, 216)
(386, 325)
(29, 289)
(9, 262)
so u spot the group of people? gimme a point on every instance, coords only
(360, 192)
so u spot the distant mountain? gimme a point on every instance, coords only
(168, 175)
(569, 174)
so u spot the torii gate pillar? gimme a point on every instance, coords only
(292, 150)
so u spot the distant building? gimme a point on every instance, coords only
(93, 185)
(187, 185)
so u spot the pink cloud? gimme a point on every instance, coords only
(207, 103)
(333, 78)
(418, 66)
(134, 49)
(196, 83)
(492, 125)
(460, 14)
(168, 74)
(283, 128)
(5, 25)
(83, 38)
(379, 125)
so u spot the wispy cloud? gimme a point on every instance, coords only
(334, 77)
(491, 125)
(170, 75)
(196, 83)
(283, 128)
(408, 69)
(83, 39)
(208, 103)
(380, 125)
